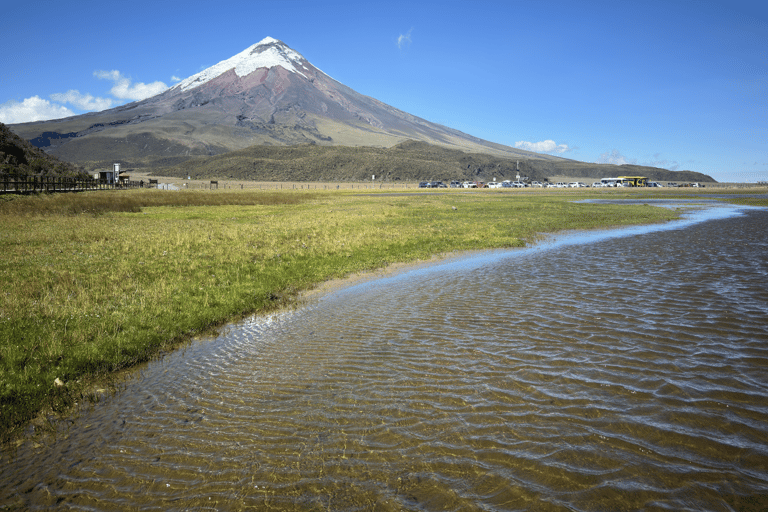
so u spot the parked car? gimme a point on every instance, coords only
(424, 184)
(455, 184)
(518, 184)
(597, 184)
(494, 184)
(537, 184)
(438, 184)
(469, 184)
(576, 184)
(561, 184)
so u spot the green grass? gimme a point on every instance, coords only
(96, 282)
(749, 201)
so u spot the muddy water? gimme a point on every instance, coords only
(612, 370)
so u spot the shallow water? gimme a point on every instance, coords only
(608, 370)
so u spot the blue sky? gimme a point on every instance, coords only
(673, 84)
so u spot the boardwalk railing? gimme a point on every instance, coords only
(32, 184)
(35, 184)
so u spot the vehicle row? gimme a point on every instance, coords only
(604, 183)
(562, 184)
(501, 184)
(650, 184)
(672, 184)
(479, 184)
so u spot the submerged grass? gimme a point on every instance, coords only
(93, 283)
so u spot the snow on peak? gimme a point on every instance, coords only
(267, 53)
(268, 40)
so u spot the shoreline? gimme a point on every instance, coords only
(393, 269)
(337, 284)
(278, 268)
(48, 424)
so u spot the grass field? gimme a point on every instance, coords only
(96, 282)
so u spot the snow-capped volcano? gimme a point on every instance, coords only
(268, 94)
(267, 53)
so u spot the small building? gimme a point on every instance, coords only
(112, 177)
(106, 177)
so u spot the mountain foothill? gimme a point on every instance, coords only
(21, 159)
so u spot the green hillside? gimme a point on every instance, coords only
(407, 161)
(19, 158)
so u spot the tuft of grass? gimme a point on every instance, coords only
(92, 283)
(749, 201)
(132, 201)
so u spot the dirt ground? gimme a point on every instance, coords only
(265, 185)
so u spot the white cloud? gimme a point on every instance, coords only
(404, 39)
(544, 146)
(614, 157)
(38, 109)
(174, 78)
(31, 109)
(125, 90)
(657, 161)
(86, 102)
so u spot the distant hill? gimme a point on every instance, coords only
(407, 161)
(592, 171)
(19, 158)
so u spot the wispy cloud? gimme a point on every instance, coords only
(659, 161)
(544, 146)
(36, 108)
(31, 109)
(615, 158)
(125, 90)
(404, 39)
(86, 102)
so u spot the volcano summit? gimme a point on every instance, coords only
(268, 94)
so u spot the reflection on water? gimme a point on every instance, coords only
(598, 371)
